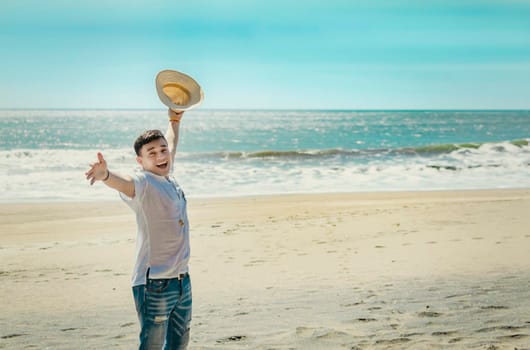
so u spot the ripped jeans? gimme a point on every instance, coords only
(164, 311)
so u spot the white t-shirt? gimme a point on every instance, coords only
(162, 244)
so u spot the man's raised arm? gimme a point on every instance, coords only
(172, 133)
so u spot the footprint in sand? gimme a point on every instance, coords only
(103, 270)
(255, 262)
(392, 341)
(14, 335)
(455, 340)
(68, 329)
(444, 333)
(499, 328)
(373, 308)
(232, 338)
(352, 304)
(429, 314)
(512, 336)
(494, 307)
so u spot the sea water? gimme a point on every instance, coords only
(44, 154)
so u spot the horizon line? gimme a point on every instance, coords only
(287, 109)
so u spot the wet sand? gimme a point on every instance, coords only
(429, 270)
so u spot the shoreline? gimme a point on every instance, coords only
(380, 193)
(341, 270)
(65, 209)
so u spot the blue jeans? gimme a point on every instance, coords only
(164, 311)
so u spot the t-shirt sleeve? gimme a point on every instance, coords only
(139, 190)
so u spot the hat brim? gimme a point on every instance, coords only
(178, 91)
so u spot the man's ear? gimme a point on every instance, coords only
(139, 160)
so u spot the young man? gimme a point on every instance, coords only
(161, 283)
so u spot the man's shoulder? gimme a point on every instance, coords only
(139, 175)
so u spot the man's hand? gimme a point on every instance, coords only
(174, 116)
(98, 171)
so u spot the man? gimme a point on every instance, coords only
(161, 282)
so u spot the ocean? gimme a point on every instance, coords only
(45, 153)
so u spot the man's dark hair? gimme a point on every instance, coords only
(145, 138)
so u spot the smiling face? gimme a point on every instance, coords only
(155, 157)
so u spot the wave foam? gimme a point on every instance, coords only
(28, 175)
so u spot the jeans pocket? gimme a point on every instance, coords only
(157, 286)
(139, 298)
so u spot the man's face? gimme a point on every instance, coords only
(155, 157)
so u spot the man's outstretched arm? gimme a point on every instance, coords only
(99, 172)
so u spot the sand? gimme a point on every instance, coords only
(428, 270)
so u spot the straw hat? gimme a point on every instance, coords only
(178, 91)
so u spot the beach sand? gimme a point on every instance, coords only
(427, 270)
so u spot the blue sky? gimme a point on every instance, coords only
(393, 54)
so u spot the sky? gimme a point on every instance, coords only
(271, 54)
